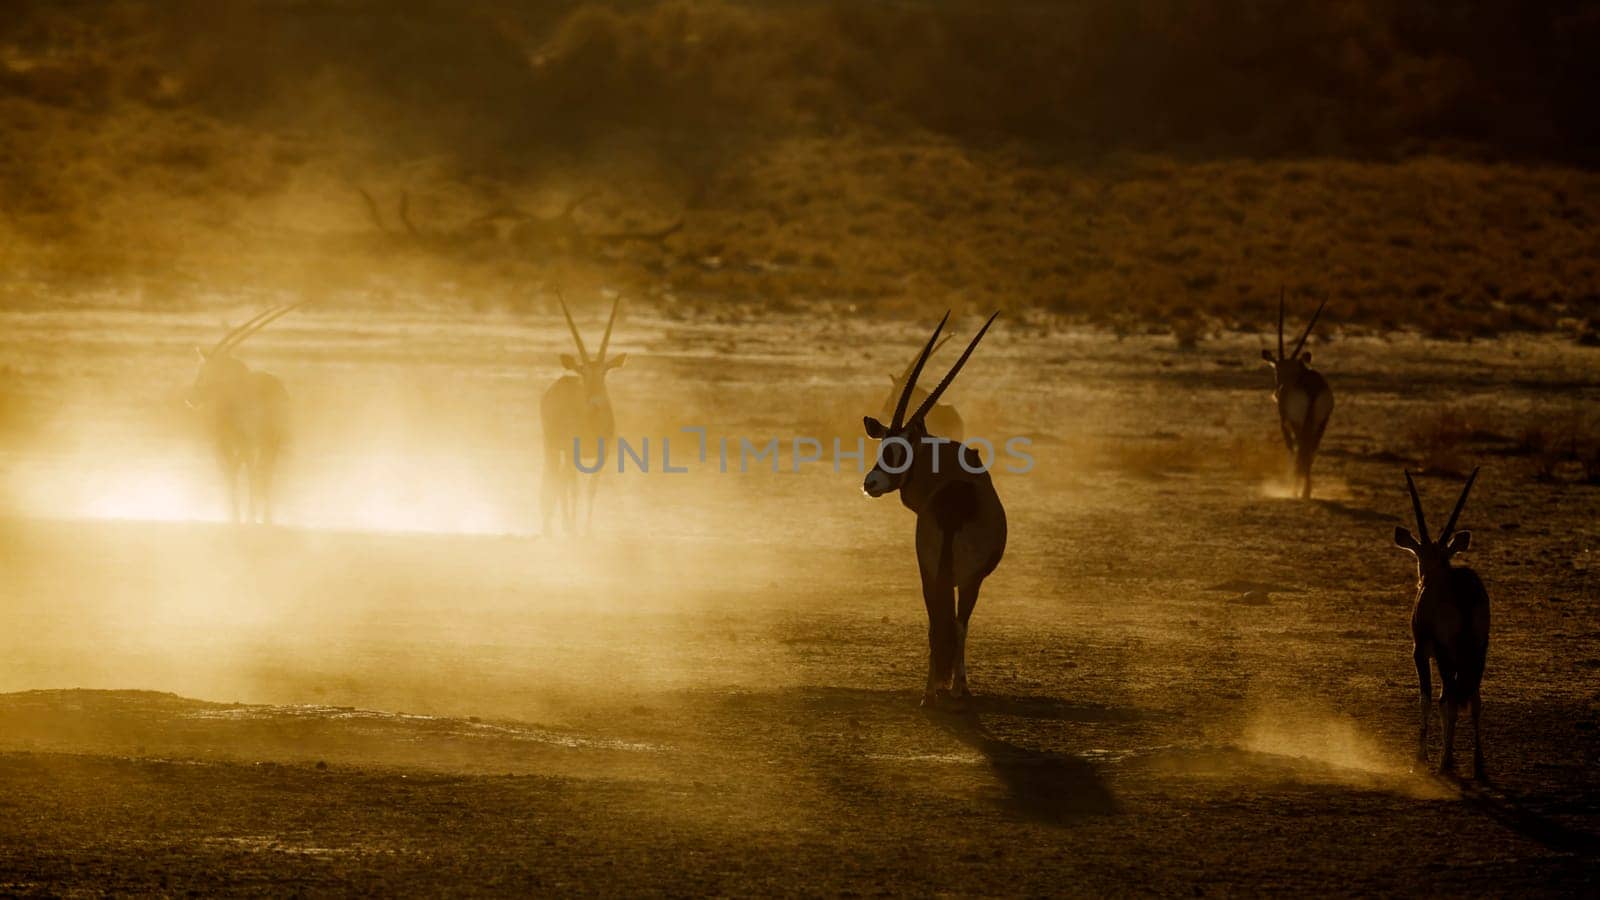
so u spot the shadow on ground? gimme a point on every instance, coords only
(1039, 784)
(1516, 814)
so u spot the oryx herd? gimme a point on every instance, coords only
(960, 522)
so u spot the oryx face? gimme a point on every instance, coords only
(1291, 367)
(897, 453)
(217, 370)
(1433, 557)
(592, 370)
(903, 438)
(1288, 371)
(593, 375)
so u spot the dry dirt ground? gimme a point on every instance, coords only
(1186, 681)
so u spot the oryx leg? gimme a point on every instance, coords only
(569, 505)
(967, 599)
(936, 596)
(590, 488)
(1476, 706)
(1308, 452)
(1449, 707)
(1425, 686)
(261, 484)
(229, 465)
(1290, 445)
(551, 487)
(250, 493)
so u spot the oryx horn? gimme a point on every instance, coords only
(261, 320)
(906, 372)
(1416, 504)
(1307, 333)
(606, 338)
(916, 372)
(1450, 526)
(577, 338)
(933, 397)
(1280, 323)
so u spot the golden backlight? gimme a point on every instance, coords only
(423, 246)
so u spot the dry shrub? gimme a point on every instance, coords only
(890, 155)
(491, 80)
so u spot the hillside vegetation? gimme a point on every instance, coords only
(1423, 164)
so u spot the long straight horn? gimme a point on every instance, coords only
(916, 372)
(260, 322)
(1416, 504)
(934, 396)
(1450, 526)
(606, 338)
(576, 337)
(1280, 323)
(234, 334)
(1309, 325)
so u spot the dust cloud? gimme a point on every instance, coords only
(783, 197)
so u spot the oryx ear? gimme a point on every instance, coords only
(1459, 542)
(1405, 540)
(875, 429)
(569, 361)
(616, 362)
(1267, 355)
(200, 352)
(1305, 358)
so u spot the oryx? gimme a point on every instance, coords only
(247, 413)
(576, 413)
(942, 420)
(1304, 400)
(1450, 623)
(961, 525)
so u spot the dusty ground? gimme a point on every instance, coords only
(401, 688)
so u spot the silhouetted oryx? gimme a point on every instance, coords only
(576, 414)
(961, 524)
(1450, 623)
(247, 413)
(1304, 400)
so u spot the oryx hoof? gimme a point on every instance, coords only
(1447, 766)
(929, 700)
